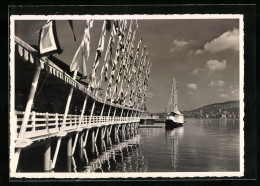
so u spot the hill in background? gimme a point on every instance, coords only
(228, 109)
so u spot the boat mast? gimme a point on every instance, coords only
(174, 99)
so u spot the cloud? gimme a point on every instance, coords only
(218, 83)
(227, 41)
(192, 86)
(195, 71)
(178, 45)
(215, 65)
(230, 93)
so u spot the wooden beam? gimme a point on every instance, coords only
(68, 103)
(96, 134)
(92, 110)
(56, 153)
(28, 109)
(75, 143)
(86, 137)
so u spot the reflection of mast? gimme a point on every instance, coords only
(175, 136)
(174, 155)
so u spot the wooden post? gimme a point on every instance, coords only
(69, 162)
(109, 112)
(110, 129)
(102, 110)
(96, 134)
(123, 132)
(47, 121)
(56, 153)
(81, 145)
(83, 110)
(114, 115)
(28, 110)
(69, 145)
(107, 134)
(33, 121)
(68, 102)
(102, 134)
(75, 143)
(70, 121)
(93, 140)
(79, 126)
(86, 137)
(121, 114)
(56, 120)
(47, 157)
(115, 132)
(132, 114)
(30, 100)
(92, 110)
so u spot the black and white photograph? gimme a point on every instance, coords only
(126, 96)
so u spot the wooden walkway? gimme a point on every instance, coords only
(32, 128)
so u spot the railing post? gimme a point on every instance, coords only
(56, 120)
(121, 114)
(92, 110)
(33, 120)
(47, 122)
(82, 111)
(127, 115)
(101, 114)
(109, 112)
(70, 121)
(113, 120)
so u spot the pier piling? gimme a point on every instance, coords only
(69, 146)
(47, 157)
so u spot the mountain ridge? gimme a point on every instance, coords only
(228, 109)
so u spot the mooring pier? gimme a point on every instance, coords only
(31, 127)
(59, 106)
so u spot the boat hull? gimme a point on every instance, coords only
(174, 121)
(171, 124)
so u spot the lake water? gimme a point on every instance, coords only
(198, 146)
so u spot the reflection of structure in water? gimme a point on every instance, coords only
(125, 156)
(175, 137)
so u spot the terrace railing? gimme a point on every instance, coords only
(45, 125)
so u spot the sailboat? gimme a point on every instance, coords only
(174, 118)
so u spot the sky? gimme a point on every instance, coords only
(201, 54)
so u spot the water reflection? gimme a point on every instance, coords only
(117, 154)
(175, 136)
(206, 145)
